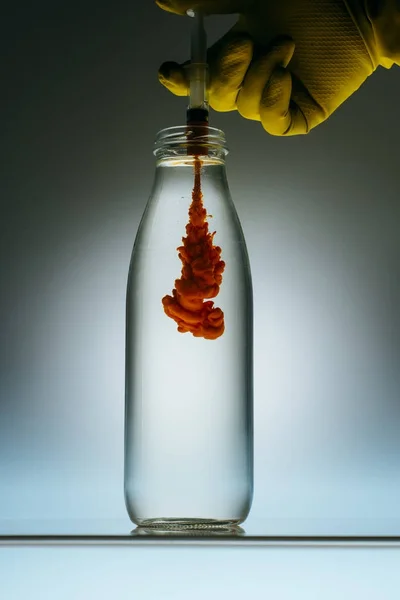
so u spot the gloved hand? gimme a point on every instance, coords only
(291, 63)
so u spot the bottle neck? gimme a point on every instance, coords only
(177, 173)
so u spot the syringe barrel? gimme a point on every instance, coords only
(197, 75)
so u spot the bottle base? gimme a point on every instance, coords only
(182, 524)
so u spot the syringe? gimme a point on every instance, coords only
(197, 69)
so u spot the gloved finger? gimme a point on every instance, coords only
(173, 76)
(258, 75)
(228, 60)
(280, 114)
(207, 7)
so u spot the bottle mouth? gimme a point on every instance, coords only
(177, 140)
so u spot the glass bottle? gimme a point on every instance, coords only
(189, 345)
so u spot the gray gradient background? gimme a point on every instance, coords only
(320, 214)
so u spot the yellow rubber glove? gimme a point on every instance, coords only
(291, 63)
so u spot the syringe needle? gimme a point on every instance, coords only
(198, 71)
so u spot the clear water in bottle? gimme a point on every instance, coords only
(189, 345)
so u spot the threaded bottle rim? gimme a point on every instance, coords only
(176, 140)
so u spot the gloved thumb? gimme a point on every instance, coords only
(207, 7)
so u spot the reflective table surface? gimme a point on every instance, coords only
(267, 532)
